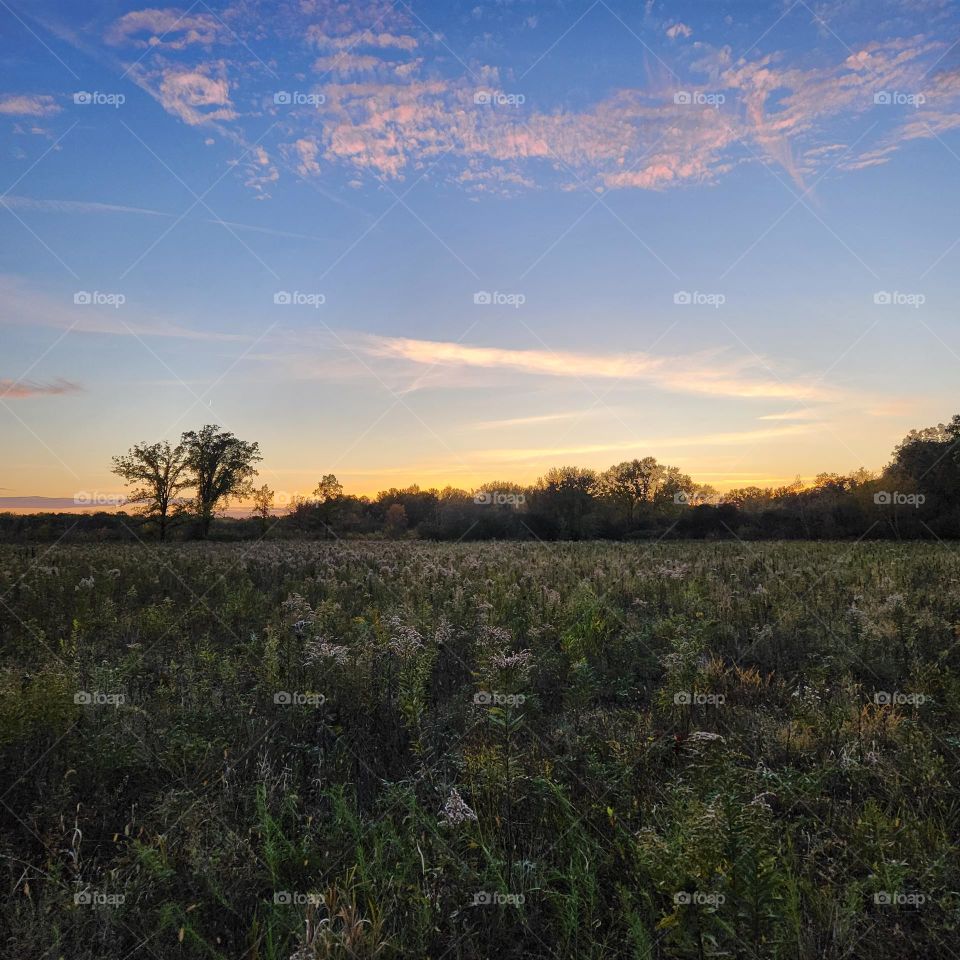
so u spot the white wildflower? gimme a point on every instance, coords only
(456, 811)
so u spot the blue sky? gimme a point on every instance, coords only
(720, 234)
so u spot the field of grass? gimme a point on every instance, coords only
(480, 751)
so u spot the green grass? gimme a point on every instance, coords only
(695, 757)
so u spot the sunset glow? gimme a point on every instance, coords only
(433, 244)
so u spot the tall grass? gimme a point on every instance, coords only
(466, 751)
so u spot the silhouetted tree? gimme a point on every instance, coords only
(160, 474)
(262, 504)
(220, 466)
(395, 522)
(564, 495)
(329, 488)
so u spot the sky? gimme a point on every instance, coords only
(446, 243)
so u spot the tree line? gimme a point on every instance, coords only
(181, 491)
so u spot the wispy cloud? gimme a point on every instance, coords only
(95, 207)
(691, 441)
(539, 420)
(74, 206)
(705, 373)
(171, 28)
(20, 389)
(792, 415)
(393, 103)
(28, 105)
(198, 95)
(22, 306)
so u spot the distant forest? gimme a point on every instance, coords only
(179, 493)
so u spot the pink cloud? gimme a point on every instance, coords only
(20, 389)
(306, 152)
(27, 105)
(362, 38)
(198, 95)
(386, 115)
(168, 27)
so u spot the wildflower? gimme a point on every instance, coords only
(405, 641)
(674, 570)
(496, 637)
(456, 811)
(320, 648)
(704, 736)
(522, 660)
(297, 612)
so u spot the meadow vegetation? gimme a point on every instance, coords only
(410, 749)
